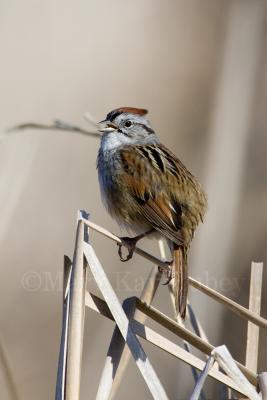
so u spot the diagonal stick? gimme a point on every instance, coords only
(100, 306)
(232, 305)
(122, 321)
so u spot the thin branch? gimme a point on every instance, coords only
(57, 125)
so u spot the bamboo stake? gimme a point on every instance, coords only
(254, 306)
(116, 239)
(147, 296)
(114, 357)
(100, 306)
(263, 385)
(222, 355)
(118, 355)
(61, 372)
(185, 334)
(122, 321)
(76, 316)
(232, 305)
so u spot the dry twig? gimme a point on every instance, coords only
(56, 125)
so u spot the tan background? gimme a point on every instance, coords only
(200, 68)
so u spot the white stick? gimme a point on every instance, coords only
(122, 321)
(76, 317)
(100, 306)
(227, 363)
(254, 306)
(232, 305)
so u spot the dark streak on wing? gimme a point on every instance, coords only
(157, 158)
(177, 214)
(158, 220)
(159, 209)
(173, 167)
(145, 152)
(142, 200)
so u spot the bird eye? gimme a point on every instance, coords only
(128, 123)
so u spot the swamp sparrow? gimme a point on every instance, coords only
(146, 188)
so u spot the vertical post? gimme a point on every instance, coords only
(255, 306)
(61, 371)
(76, 314)
(263, 385)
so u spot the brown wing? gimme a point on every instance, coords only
(165, 193)
(155, 183)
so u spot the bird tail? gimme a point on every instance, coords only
(180, 278)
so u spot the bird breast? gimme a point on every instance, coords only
(114, 195)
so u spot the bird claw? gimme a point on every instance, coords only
(169, 273)
(130, 244)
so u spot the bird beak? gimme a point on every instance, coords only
(106, 127)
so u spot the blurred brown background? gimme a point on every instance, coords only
(200, 67)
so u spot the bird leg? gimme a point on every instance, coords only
(169, 272)
(130, 243)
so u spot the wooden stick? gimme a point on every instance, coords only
(232, 305)
(116, 239)
(62, 359)
(100, 306)
(187, 335)
(235, 307)
(222, 355)
(114, 357)
(254, 306)
(263, 385)
(122, 321)
(147, 296)
(76, 316)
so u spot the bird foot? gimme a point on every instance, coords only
(130, 244)
(168, 272)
